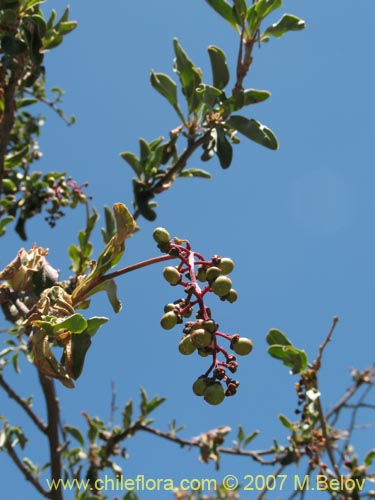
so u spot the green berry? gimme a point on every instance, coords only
(201, 338)
(212, 273)
(226, 265)
(172, 275)
(200, 385)
(204, 352)
(169, 307)
(214, 394)
(241, 346)
(210, 325)
(201, 274)
(232, 296)
(168, 320)
(221, 286)
(186, 345)
(161, 235)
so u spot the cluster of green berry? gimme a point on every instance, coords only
(201, 335)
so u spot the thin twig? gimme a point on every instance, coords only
(317, 363)
(353, 418)
(364, 378)
(52, 105)
(275, 474)
(53, 414)
(25, 471)
(134, 267)
(7, 119)
(22, 403)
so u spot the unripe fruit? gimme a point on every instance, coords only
(161, 235)
(172, 275)
(186, 345)
(241, 346)
(232, 296)
(201, 338)
(210, 325)
(212, 273)
(214, 394)
(204, 352)
(221, 286)
(226, 265)
(169, 307)
(201, 274)
(168, 320)
(200, 385)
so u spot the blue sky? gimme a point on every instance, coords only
(298, 222)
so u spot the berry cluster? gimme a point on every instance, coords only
(202, 334)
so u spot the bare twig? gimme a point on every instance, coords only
(22, 403)
(364, 378)
(7, 118)
(53, 414)
(317, 363)
(275, 474)
(25, 471)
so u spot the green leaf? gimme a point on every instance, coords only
(32, 3)
(133, 160)
(265, 7)
(290, 356)
(252, 20)
(275, 336)
(22, 103)
(3, 223)
(127, 414)
(225, 10)
(110, 227)
(369, 458)
(110, 287)
(250, 437)
(285, 24)
(113, 251)
(195, 172)
(76, 433)
(254, 130)
(240, 434)
(286, 423)
(253, 96)
(208, 94)
(53, 39)
(75, 323)
(219, 67)
(165, 86)
(224, 148)
(66, 27)
(94, 323)
(147, 406)
(240, 9)
(190, 76)
(79, 346)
